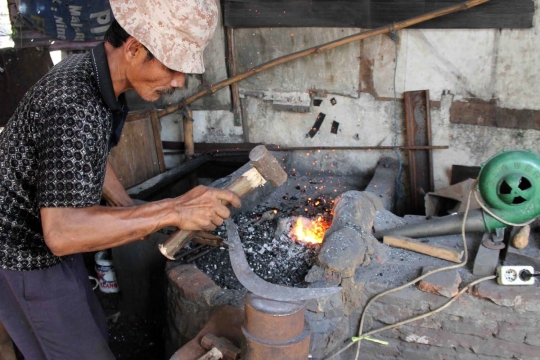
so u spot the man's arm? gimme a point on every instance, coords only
(113, 192)
(74, 230)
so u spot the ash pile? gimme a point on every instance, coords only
(272, 252)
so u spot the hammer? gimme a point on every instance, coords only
(265, 168)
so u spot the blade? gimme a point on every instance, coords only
(260, 287)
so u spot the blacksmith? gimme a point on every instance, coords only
(54, 172)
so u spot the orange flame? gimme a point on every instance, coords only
(310, 231)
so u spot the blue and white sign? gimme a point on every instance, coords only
(71, 20)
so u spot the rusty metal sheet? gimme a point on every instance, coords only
(418, 122)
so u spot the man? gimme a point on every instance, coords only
(53, 169)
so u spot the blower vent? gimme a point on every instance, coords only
(507, 189)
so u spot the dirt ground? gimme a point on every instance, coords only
(131, 338)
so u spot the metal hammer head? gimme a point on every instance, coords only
(267, 165)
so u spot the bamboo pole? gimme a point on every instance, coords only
(320, 49)
(232, 71)
(188, 134)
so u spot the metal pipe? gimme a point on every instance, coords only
(447, 225)
(274, 330)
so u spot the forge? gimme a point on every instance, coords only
(339, 215)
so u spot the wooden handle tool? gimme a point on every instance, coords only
(265, 168)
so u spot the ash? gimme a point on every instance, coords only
(274, 257)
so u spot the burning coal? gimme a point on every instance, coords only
(309, 231)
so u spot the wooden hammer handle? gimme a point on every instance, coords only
(242, 186)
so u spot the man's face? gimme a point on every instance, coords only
(151, 79)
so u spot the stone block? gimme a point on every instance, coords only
(505, 349)
(486, 261)
(527, 297)
(533, 338)
(515, 334)
(353, 209)
(445, 283)
(343, 251)
(353, 294)
(380, 251)
(317, 273)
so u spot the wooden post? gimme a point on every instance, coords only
(189, 141)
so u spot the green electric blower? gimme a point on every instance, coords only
(509, 186)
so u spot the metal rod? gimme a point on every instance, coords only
(309, 148)
(201, 254)
(190, 251)
(446, 225)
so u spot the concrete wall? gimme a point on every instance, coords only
(454, 65)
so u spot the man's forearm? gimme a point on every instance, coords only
(113, 191)
(75, 230)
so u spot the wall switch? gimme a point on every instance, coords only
(515, 275)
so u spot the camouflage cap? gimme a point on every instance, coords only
(174, 31)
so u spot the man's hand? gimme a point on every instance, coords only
(204, 208)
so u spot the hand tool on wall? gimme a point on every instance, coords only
(265, 168)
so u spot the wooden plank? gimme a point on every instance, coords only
(156, 183)
(374, 13)
(139, 154)
(418, 122)
(482, 113)
(440, 252)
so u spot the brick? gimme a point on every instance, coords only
(472, 327)
(501, 348)
(411, 298)
(193, 283)
(445, 283)
(533, 338)
(438, 338)
(371, 350)
(391, 314)
(514, 334)
(425, 352)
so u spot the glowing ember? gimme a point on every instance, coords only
(310, 231)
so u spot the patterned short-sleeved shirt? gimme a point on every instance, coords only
(53, 153)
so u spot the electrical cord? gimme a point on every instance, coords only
(444, 306)
(484, 207)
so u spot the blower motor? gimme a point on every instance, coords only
(509, 184)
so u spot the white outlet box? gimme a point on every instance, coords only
(512, 275)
